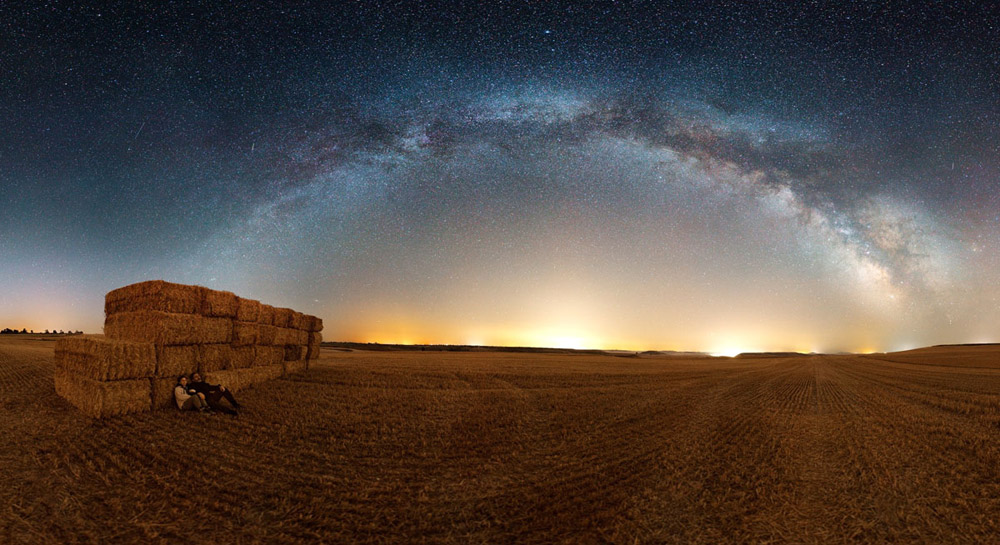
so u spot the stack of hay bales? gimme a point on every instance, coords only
(156, 331)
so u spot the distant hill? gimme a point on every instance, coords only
(749, 355)
(515, 349)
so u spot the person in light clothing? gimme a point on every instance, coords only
(187, 399)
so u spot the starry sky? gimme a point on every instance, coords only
(724, 176)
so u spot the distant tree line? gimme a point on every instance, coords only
(9, 331)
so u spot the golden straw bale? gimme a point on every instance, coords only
(295, 366)
(232, 379)
(154, 295)
(266, 315)
(283, 317)
(301, 337)
(315, 337)
(174, 361)
(268, 355)
(99, 398)
(245, 333)
(163, 392)
(286, 335)
(243, 357)
(247, 310)
(236, 379)
(266, 334)
(168, 328)
(294, 352)
(214, 357)
(100, 358)
(268, 372)
(272, 372)
(219, 304)
(300, 321)
(315, 324)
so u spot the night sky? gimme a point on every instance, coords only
(636, 175)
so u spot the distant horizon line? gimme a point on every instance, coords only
(554, 349)
(515, 348)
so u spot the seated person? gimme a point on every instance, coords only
(213, 394)
(187, 398)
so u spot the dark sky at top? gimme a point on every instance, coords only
(706, 176)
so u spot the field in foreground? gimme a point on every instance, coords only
(403, 447)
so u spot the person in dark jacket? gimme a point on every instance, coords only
(213, 394)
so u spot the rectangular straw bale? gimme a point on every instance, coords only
(245, 333)
(285, 335)
(100, 358)
(244, 378)
(315, 324)
(247, 310)
(300, 321)
(232, 379)
(266, 315)
(243, 357)
(174, 361)
(283, 317)
(163, 393)
(167, 328)
(256, 375)
(214, 357)
(98, 398)
(272, 372)
(295, 366)
(219, 304)
(266, 334)
(268, 355)
(154, 295)
(294, 352)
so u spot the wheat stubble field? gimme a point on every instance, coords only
(465, 447)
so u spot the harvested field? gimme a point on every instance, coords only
(460, 447)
